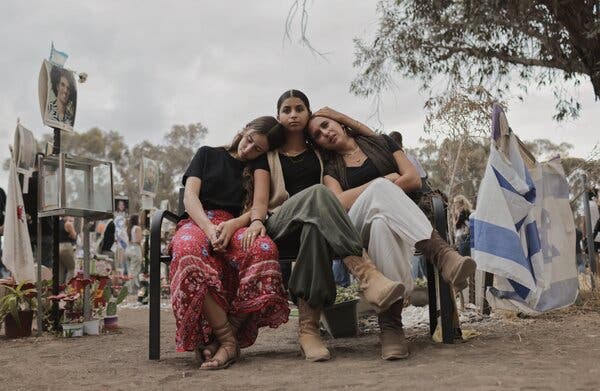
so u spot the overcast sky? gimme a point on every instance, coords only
(222, 63)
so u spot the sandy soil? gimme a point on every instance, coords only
(559, 351)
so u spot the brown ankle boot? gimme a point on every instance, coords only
(393, 342)
(455, 268)
(309, 336)
(377, 289)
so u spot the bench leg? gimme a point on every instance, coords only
(447, 310)
(488, 281)
(431, 290)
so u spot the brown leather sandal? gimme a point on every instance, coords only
(199, 351)
(224, 335)
(235, 322)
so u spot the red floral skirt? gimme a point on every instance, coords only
(241, 282)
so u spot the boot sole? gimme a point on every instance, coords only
(315, 359)
(467, 268)
(392, 357)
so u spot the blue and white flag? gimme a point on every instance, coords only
(57, 57)
(523, 231)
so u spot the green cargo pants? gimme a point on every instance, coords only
(324, 230)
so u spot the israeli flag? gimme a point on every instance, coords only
(522, 231)
(504, 234)
(57, 57)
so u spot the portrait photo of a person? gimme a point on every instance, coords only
(121, 206)
(62, 98)
(150, 177)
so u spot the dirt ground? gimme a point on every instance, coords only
(558, 351)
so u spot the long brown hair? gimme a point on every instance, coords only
(270, 127)
(375, 147)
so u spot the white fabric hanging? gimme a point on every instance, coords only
(523, 231)
(17, 254)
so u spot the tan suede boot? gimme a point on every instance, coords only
(455, 268)
(376, 288)
(309, 336)
(393, 342)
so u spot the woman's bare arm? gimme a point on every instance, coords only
(343, 119)
(409, 179)
(348, 197)
(194, 208)
(260, 201)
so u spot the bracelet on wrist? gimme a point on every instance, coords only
(253, 220)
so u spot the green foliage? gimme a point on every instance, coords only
(348, 293)
(494, 43)
(17, 298)
(111, 301)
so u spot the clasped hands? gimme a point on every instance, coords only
(220, 235)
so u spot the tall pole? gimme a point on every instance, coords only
(55, 246)
(589, 233)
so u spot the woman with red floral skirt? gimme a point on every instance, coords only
(224, 287)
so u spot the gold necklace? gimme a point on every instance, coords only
(357, 160)
(351, 153)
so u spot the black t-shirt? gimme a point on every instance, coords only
(221, 176)
(299, 172)
(2, 205)
(108, 237)
(357, 176)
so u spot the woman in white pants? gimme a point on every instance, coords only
(373, 179)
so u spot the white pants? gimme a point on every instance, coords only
(390, 224)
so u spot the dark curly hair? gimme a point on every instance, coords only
(55, 75)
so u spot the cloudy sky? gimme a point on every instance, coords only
(152, 64)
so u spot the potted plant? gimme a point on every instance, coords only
(72, 304)
(420, 296)
(93, 326)
(16, 308)
(340, 319)
(111, 320)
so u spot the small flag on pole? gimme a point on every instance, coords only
(57, 57)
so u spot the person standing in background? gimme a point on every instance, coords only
(595, 215)
(3, 271)
(133, 254)
(67, 237)
(462, 235)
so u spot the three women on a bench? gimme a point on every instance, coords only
(244, 204)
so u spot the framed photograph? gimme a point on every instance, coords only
(149, 177)
(58, 96)
(122, 205)
(24, 149)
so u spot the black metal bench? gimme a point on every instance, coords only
(445, 310)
